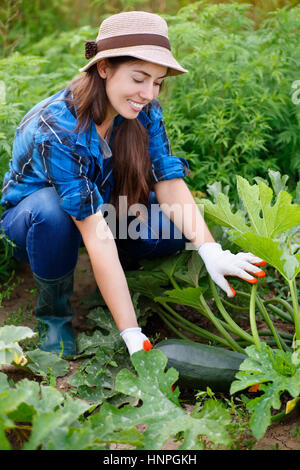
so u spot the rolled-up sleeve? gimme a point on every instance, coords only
(67, 173)
(165, 166)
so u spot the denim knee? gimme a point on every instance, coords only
(44, 233)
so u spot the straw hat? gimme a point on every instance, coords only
(137, 34)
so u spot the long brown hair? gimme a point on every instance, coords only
(130, 158)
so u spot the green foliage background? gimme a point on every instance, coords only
(231, 114)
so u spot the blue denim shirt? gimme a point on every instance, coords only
(47, 153)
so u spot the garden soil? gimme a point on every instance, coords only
(19, 307)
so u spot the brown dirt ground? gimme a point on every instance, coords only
(20, 307)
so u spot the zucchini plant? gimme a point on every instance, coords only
(267, 224)
(267, 228)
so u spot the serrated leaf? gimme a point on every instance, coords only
(4, 385)
(270, 251)
(95, 382)
(160, 410)
(101, 318)
(12, 404)
(45, 424)
(110, 425)
(221, 213)
(267, 220)
(187, 296)
(88, 344)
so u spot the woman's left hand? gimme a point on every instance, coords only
(220, 263)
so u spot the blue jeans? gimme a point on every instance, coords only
(48, 239)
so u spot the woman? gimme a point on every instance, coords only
(100, 141)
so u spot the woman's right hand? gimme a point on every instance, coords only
(220, 263)
(135, 340)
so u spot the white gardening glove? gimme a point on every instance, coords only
(135, 340)
(221, 263)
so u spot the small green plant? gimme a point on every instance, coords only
(7, 262)
(295, 433)
(204, 394)
(275, 372)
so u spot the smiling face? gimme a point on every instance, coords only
(130, 86)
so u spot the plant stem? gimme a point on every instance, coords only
(172, 327)
(284, 316)
(279, 341)
(233, 344)
(293, 290)
(269, 333)
(243, 294)
(235, 327)
(252, 317)
(236, 307)
(283, 414)
(205, 334)
(196, 330)
(284, 303)
(174, 283)
(270, 341)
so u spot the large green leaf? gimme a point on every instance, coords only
(56, 420)
(11, 333)
(46, 423)
(267, 220)
(160, 410)
(271, 251)
(50, 414)
(44, 363)
(187, 296)
(11, 400)
(221, 213)
(276, 373)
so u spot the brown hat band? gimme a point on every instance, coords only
(127, 40)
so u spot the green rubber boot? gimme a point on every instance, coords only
(54, 313)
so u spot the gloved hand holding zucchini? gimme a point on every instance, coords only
(220, 263)
(135, 340)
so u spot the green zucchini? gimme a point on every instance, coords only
(200, 365)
